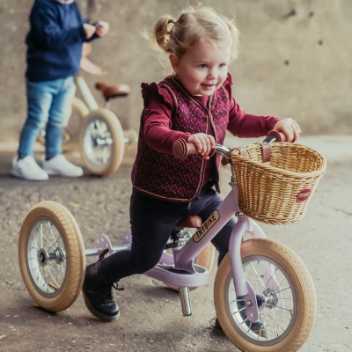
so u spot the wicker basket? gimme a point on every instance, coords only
(276, 191)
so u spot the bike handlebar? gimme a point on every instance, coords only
(226, 152)
(221, 149)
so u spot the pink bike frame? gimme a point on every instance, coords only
(180, 271)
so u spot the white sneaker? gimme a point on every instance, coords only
(28, 169)
(59, 165)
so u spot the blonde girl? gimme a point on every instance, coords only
(175, 173)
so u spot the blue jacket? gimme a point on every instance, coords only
(54, 41)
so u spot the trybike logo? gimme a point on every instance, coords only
(207, 225)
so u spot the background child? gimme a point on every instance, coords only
(188, 112)
(54, 48)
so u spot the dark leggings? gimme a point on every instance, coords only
(152, 222)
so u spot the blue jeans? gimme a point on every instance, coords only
(49, 106)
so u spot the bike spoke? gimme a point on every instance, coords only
(258, 276)
(53, 278)
(239, 310)
(276, 312)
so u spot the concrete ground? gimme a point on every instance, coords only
(151, 318)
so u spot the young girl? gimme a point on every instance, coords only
(175, 173)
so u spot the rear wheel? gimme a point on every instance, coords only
(102, 142)
(51, 256)
(285, 297)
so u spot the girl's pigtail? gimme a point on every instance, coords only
(162, 32)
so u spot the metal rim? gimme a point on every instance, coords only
(277, 306)
(98, 142)
(47, 259)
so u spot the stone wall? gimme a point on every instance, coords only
(294, 57)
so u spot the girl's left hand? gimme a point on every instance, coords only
(102, 28)
(289, 130)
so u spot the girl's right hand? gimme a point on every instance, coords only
(201, 143)
(89, 30)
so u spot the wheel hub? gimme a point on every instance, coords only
(99, 141)
(271, 298)
(42, 256)
(57, 255)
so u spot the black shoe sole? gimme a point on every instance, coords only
(96, 313)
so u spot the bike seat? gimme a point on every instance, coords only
(112, 91)
(190, 221)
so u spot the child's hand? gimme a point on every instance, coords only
(289, 130)
(203, 143)
(89, 30)
(102, 28)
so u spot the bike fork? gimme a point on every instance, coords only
(235, 255)
(243, 289)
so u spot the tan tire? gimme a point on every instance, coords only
(51, 256)
(301, 314)
(206, 258)
(102, 142)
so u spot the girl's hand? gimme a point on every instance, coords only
(289, 130)
(89, 30)
(102, 28)
(203, 144)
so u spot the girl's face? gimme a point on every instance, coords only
(203, 67)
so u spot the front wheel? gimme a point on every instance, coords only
(285, 296)
(51, 256)
(102, 142)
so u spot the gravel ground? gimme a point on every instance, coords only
(151, 318)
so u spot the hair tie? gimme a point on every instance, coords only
(170, 25)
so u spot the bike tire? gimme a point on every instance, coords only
(57, 219)
(113, 126)
(300, 281)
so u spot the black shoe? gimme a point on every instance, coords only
(217, 329)
(98, 298)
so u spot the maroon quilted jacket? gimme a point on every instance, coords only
(170, 115)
